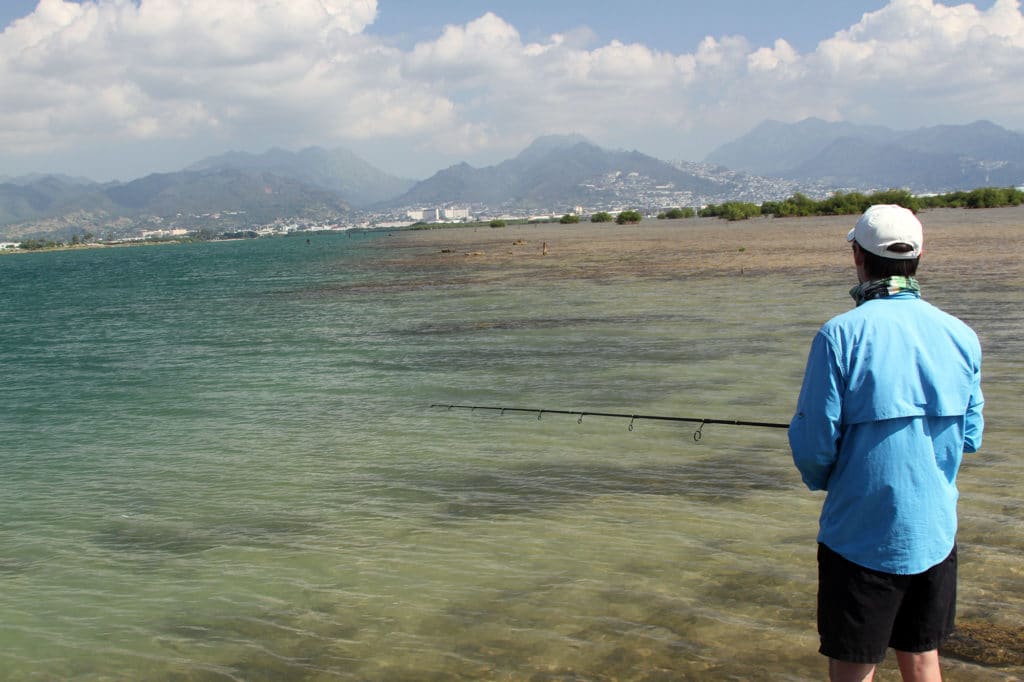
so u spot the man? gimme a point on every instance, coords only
(891, 399)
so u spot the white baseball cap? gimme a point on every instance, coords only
(885, 225)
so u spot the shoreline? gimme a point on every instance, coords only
(81, 247)
(492, 242)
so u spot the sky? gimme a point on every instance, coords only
(117, 89)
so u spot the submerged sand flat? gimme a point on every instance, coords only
(982, 247)
(222, 459)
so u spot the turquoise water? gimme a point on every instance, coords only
(219, 463)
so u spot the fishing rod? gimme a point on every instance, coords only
(580, 414)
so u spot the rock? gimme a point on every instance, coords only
(986, 644)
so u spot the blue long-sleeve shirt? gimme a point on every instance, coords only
(891, 400)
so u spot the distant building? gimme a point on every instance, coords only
(159, 234)
(426, 215)
(431, 215)
(455, 213)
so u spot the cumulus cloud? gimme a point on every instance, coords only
(766, 59)
(919, 59)
(174, 68)
(481, 48)
(290, 72)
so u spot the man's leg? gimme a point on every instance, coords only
(856, 610)
(919, 667)
(926, 618)
(842, 671)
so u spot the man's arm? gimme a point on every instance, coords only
(974, 422)
(815, 430)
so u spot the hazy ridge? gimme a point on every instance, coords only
(555, 173)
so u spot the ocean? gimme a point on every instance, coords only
(220, 462)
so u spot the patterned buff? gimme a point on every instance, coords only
(880, 288)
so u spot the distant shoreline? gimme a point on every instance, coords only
(90, 246)
(492, 244)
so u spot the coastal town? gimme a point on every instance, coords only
(610, 193)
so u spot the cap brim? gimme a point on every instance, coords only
(850, 234)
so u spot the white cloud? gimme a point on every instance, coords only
(774, 58)
(173, 68)
(481, 47)
(920, 59)
(289, 72)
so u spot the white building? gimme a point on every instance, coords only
(427, 215)
(431, 215)
(455, 213)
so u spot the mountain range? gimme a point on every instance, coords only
(555, 173)
(843, 155)
(558, 172)
(339, 170)
(59, 206)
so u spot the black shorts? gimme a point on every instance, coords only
(862, 612)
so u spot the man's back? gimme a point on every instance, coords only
(893, 390)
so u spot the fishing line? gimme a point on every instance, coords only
(580, 414)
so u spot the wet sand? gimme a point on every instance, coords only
(957, 241)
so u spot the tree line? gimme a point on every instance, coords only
(843, 203)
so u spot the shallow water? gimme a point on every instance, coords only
(220, 463)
